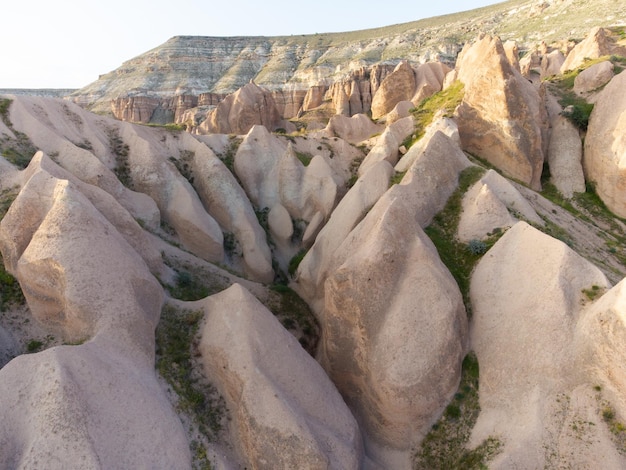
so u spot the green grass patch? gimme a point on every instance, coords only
(175, 344)
(295, 315)
(459, 259)
(396, 178)
(18, 150)
(188, 287)
(444, 446)
(305, 158)
(593, 293)
(295, 261)
(446, 100)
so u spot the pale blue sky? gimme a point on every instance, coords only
(67, 44)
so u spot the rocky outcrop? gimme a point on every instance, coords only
(238, 112)
(599, 42)
(396, 387)
(407, 84)
(354, 129)
(387, 146)
(565, 154)
(526, 298)
(605, 145)
(489, 205)
(286, 412)
(83, 281)
(593, 77)
(502, 117)
(551, 63)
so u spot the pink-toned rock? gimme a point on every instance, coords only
(594, 77)
(280, 224)
(400, 111)
(227, 202)
(526, 294)
(312, 271)
(565, 153)
(605, 145)
(249, 106)
(393, 330)
(429, 79)
(286, 412)
(354, 129)
(439, 124)
(83, 281)
(397, 86)
(489, 205)
(502, 117)
(551, 64)
(599, 42)
(512, 54)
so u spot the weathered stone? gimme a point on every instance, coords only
(393, 351)
(502, 116)
(605, 145)
(565, 154)
(551, 64)
(599, 42)
(286, 412)
(397, 86)
(594, 77)
(526, 295)
(490, 204)
(354, 129)
(251, 105)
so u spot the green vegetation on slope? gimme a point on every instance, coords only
(10, 290)
(445, 101)
(443, 448)
(17, 150)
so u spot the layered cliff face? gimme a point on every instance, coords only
(416, 292)
(292, 66)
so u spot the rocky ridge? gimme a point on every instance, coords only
(189, 72)
(460, 310)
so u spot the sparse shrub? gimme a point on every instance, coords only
(477, 247)
(305, 158)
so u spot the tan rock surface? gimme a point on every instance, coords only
(565, 153)
(312, 271)
(353, 129)
(502, 116)
(604, 158)
(286, 412)
(551, 64)
(393, 330)
(227, 202)
(83, 281)
(491, 203)
(599, 42)
(429, 79)
(398, 86)
(388, 144)
(249, 106)
(526, 296)
(593, 77)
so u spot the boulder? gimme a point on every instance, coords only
(492, 203)
(286, 412)
(400, 111)
(393, 330)
(526, 295)
(599, 42)
(386, 148)
(502, 117)
(565, 153)
(605, 145)
(280, 224)
(249, 106)
(593, 77)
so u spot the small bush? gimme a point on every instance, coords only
(295, 261)
(477, 247)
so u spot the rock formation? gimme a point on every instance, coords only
(593, 77)
(599, 42)
(605, 145)
(502, 116)
(238, 112)
(286, 412)
(565, 153)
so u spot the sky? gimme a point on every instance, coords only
(68, 44)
